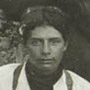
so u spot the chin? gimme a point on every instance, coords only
(47, 70)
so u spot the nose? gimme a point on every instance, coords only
(46, 48)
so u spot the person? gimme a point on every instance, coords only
(45, 32)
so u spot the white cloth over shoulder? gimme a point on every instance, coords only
(7, 77)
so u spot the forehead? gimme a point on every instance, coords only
(45, 32)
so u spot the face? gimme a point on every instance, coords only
(46, 47)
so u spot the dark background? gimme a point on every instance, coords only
(77, 57)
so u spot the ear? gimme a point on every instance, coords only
(65, 46)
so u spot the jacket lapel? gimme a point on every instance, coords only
(61, 83)
(22, 81)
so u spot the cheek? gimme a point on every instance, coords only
(34, 52)
(59, 49)
(58, 52)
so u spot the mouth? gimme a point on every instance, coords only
(47, 61)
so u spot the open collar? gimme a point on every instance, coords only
(24, 85)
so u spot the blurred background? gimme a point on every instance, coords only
(77, 57)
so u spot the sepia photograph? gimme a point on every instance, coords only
(44, 44)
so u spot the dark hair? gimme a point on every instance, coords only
(38, 16)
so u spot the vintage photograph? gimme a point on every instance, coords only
(44, 44)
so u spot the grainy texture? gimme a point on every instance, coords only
(78, 54)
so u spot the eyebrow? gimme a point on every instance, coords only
(37, 38)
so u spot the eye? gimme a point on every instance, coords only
(36, 42)
(55, 42)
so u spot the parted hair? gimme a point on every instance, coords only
(48, 16)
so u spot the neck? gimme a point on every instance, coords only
(32, 73)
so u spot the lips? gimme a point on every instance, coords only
(46, 61)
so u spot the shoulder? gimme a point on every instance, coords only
(78, 81)
(7, 71)
(6, 76)
(8, 68)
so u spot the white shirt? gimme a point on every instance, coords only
(7, 77)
